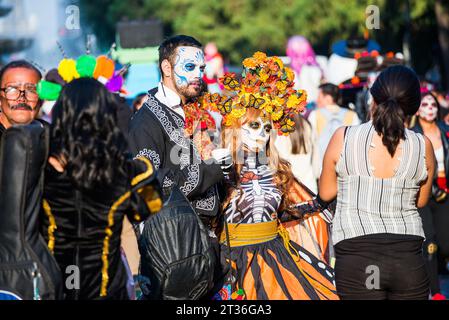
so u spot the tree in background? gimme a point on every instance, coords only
(240, 27)
(442, 14)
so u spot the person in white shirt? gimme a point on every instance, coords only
(329, 116)
(300, 150)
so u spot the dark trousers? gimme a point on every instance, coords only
(435, 219)
(381, 267)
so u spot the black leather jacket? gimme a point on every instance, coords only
(27, 268)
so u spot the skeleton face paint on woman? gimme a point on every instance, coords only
(255, 134)
(428, 109)
(188, 69)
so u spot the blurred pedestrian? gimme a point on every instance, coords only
(300, 150)
(382, 173)
(214, 67)
(308, 73)
(329, 116)
(435, 215)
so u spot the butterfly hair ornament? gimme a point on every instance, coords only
(266, 84)
(101, 68)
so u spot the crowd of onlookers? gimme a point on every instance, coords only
(309, 149)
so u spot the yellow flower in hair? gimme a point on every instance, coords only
(263, 76)
(278, 102)
(260, 56)
(268, 107)
(228, 121)
(279, 62)
(237, 113)
(250, 63)
(293, 101)
(290, 74)
(281, 85)
(303, 95)
(277, 114)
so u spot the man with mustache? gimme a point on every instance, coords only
(157, 129)
(19, 101)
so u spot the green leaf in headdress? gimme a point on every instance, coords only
(85, 65)
(48, 90)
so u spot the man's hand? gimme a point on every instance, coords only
(224, 159)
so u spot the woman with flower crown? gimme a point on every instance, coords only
(274, 241)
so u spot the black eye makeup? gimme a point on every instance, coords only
(254, 125)
(267, 128)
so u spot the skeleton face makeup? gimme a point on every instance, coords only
(428, 109)
(188, 69)
(255, 134)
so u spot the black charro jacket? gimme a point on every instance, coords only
(157, 133)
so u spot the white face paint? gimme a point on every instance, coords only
(428, 110)
(255, 134)
(188, 69)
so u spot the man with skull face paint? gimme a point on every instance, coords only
(435, 215)
(157, 129)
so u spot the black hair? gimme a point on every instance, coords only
(19, 64)
(397, 95)
(168, 48)
(85, 136)
(138, 100)
(331, 90)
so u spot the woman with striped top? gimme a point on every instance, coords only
(380, 173)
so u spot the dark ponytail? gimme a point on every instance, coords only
(396, 93)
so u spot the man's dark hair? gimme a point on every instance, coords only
(331, 90)
(168, 48)
(19, 64)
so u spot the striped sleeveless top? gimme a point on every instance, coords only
(369, 205)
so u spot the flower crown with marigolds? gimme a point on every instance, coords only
(265, 85)
(101, 68)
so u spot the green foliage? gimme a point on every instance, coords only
(241, 27)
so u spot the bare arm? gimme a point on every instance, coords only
(328, 179)
(426, 187)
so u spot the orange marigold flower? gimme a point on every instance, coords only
(263, 76)
(355, 80)
(290, 74)
(250, 63)
(279, 62)
(260, 56)
(281, 85)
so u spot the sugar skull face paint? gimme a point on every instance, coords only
(428, 110)
(255, 134)
(188, 69)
